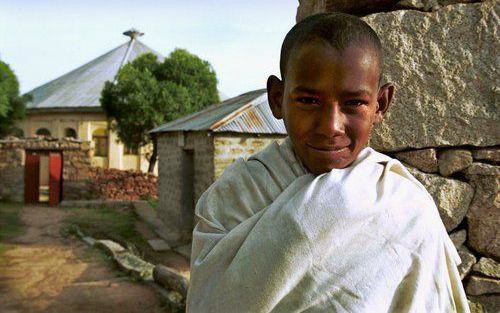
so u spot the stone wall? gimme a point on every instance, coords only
(228, 148)
(175, 150)
(442, 55)
(11, 171)
(76, 165)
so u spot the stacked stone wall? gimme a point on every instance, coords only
(76, 166)
(442, 56)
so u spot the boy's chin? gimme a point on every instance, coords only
(317, 168)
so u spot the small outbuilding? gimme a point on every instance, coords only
(195, 149)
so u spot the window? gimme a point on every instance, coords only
(100, 139)
(129, 150)
(43, 132)
(70, 133)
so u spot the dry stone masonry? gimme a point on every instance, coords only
(442, 55)
(76, 166)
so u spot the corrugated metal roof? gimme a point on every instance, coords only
(246, 113)
(81, 88)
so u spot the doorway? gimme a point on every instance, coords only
(187, 188)
(43, 177)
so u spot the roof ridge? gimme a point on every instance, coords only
(79, 67)
(236, 113)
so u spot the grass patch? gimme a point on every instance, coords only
(153, 202)
(10, 220)
(106, 223)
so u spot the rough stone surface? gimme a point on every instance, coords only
(452, 161)
(424, 160)
(458, 238)
(485, 304)
(489, 154)
(475, 307)
(468, 260)
(482, 169)
(159, 245)
(483, 216)
(444, 65)
(452, 197)
(482, 285)
(171, 279)
(487, 267)
(364, 7)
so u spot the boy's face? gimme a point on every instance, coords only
(329, 101)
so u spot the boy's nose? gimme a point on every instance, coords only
(331, 121)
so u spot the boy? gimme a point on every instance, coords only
(322, 223)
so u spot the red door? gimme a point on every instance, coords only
(55, 182)
(31, 177)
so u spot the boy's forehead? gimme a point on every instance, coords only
(353, 66)
(322, 52)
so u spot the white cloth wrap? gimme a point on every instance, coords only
(271, 237)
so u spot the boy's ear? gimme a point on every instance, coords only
(384, 99)
(275, 95)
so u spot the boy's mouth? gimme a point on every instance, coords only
(331, 152)
(325, 148)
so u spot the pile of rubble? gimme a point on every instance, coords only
(122, 185)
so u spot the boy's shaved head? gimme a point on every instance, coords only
(337, 29)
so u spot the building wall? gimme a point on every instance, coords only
(228, 148)
(211, 154)
(85, 124)
(176, 199)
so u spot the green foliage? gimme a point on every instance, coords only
(148, 93)
(12, 105)
(106, 223)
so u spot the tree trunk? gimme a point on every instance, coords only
(152, 159)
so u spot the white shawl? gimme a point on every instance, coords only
(271, 237)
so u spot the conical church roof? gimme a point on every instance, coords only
(80, 89)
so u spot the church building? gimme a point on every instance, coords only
(69, 106)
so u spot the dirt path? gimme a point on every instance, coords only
(45, 272)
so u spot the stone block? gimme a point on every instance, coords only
(484, 304)
(453, 46)
(365, 7)
(487, 267)
(452, 197)
(171, 279)
(458, 238)
(452, 161)
(158, 245)
(483, 217)
(468, 260)
(424, 160)
(482, 169)
(478, 285)
(487, 154)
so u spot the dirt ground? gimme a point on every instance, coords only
(43, 271)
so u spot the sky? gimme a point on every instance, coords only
(44, 39)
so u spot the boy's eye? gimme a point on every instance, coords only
(355, 102)
(308, 100)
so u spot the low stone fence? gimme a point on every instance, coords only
(76, 165)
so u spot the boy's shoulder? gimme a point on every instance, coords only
(245, 187)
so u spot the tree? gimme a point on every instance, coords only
(12, 105)
(147, 93)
